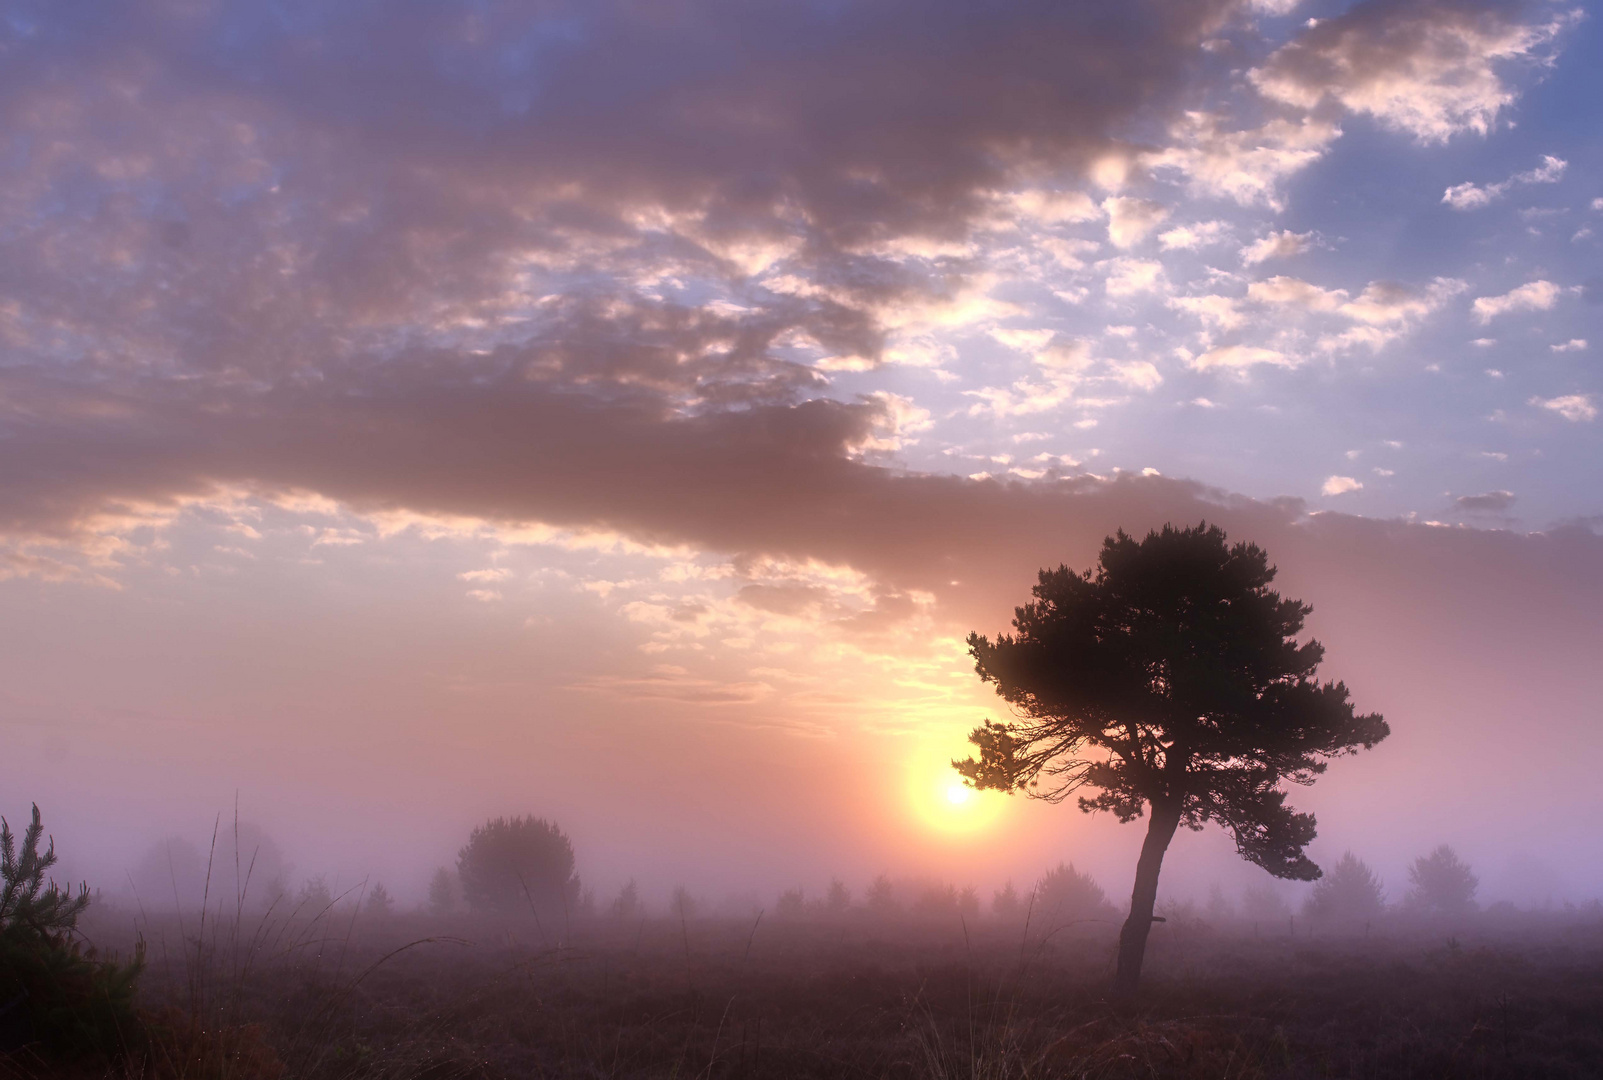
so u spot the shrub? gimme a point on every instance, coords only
(627, 903)
(1351, 891)
(515, 864)
(1264, 904)
(442, 892)
(315, 898)
(792, 903)
(1005, 904)
(1065, 895)
(881, 896)
(380, 903)
(1442, 884)
(839, 898)
(52, 991)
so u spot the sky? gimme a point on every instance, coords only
(621, 412)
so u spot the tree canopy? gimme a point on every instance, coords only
(1170, 680)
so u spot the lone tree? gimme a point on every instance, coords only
(1168, 682)
(517, 864)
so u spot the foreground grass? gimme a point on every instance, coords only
(411, 997)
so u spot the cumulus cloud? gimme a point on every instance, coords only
(1382, 311)
(1245, 166)
(1127, 277)
(1295, 292)
(1538, 295)
(1194, 236)
(1430, 70)
(1276, 245)
(1572, 345)
(1341, 485)
(1468, 196)
(1220, 311)
(1240, 358)
(1576, 408)
(1130, 220)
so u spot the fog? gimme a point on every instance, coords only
(366, 729)
(620, 414)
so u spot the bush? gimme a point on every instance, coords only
(881, 896)
(839, 897)
(1351, 891)
(627, 903)
(515, 864)
(53, 993)
(1442, 884)
(380, 904)
(442, 892)
(1066, 895)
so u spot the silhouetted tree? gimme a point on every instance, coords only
(1170, 682)
(513, 864)
(881, 896)
(1264, 904)
(1005, 902)
(1442, 883)
(935, 900)
(1065, 895)
(792, 903)
(839, 897)
(380, 904)
(315, 898)
(682, 905)
(442, 892)
(1351, 891)
(626, 905)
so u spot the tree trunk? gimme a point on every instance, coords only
(1161, 823)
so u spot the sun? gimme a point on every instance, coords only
(941, 800)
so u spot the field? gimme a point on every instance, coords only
(341, 995)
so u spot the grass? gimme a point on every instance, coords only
(326, 994)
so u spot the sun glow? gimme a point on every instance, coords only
(943, 802)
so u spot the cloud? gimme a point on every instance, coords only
(1130, 220)
(1383, 311)
(448, 174)
(1572, 345)
(1129, 277)
(1576, 408)
(1194, 236)
(1492, 502)
(1245, 166)
(1294, 292)
(1538, 295)
(1276, 245)
(1341, 485)
(1427, 69)
(1221, 311)
(1240, 358)
(1467, 196)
